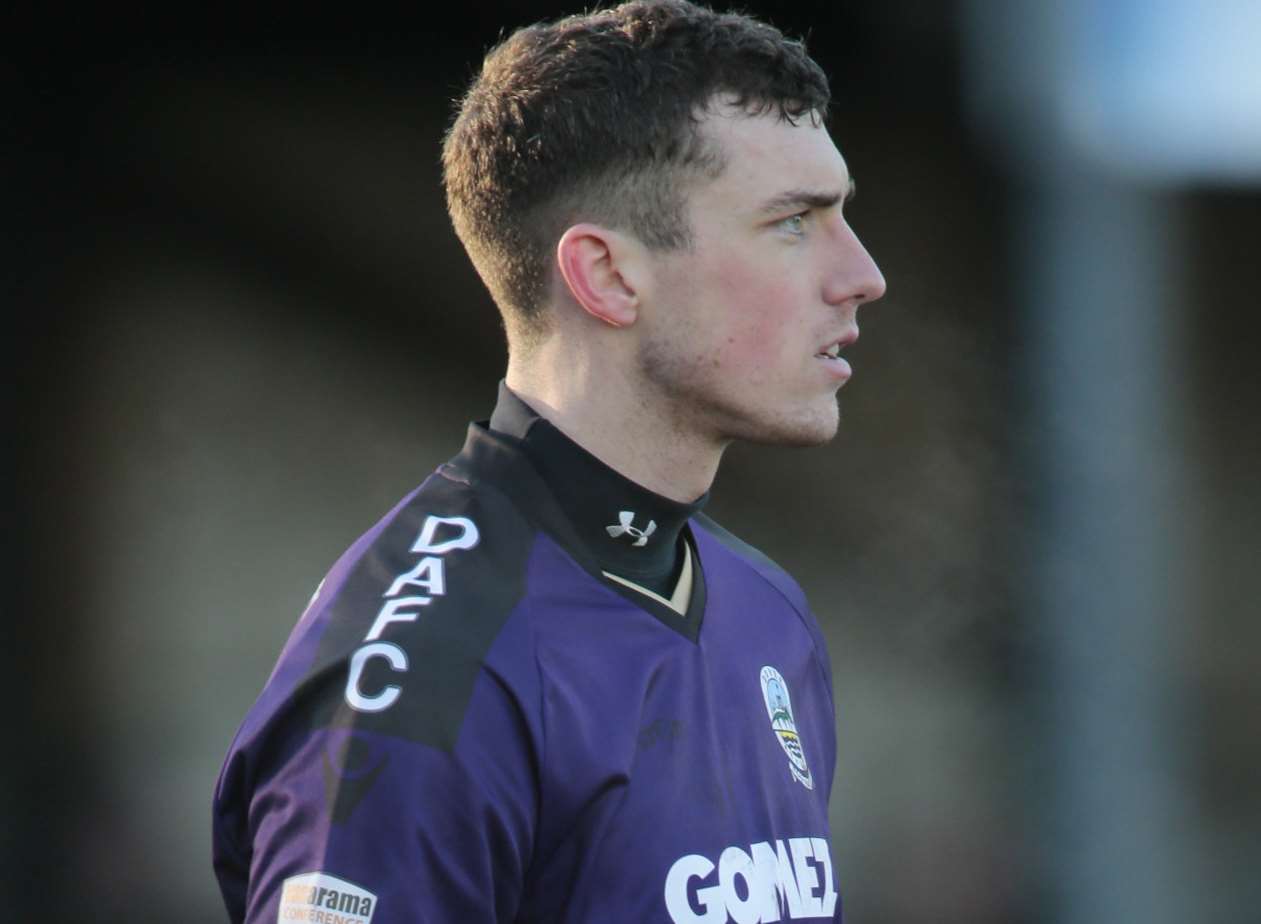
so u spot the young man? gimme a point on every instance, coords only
(546, 687)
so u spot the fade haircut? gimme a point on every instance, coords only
(596, 117)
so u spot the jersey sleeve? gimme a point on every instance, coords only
(390, 771)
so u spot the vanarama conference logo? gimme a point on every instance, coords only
(318, 898)
(780, 708)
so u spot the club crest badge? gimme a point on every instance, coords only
(779, 708)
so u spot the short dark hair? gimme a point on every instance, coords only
(595, 117)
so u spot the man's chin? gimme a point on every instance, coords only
(801, 433)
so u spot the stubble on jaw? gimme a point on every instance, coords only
(689, 398)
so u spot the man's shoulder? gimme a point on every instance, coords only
(753, 559)
(400, 628)
(444, 526)
(761, 567)
(448, 547)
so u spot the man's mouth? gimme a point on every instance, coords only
(831, 354)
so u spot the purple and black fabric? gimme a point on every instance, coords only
(472, 723)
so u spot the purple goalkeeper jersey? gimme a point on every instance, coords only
(473, 722)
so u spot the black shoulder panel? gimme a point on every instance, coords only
(406, 635)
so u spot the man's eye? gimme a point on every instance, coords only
(794, 224)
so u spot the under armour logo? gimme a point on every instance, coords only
(624, 528)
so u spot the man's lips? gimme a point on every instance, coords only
(830, 355)
(832, 348)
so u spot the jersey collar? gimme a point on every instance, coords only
(632, 531)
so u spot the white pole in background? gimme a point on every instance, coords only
(1102, 297)
(1102, 111)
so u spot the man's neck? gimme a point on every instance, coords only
(609, 417)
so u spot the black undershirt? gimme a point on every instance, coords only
(633, 532)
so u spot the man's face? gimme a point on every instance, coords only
(742, 321)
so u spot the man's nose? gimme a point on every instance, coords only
(855, 276)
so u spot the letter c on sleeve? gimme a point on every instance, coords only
(377, 702)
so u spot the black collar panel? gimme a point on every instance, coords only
(631, 531)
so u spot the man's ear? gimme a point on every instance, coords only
(596, 265)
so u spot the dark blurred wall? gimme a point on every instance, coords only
(245, 329)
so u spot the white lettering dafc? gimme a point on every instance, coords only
(465, 539)
(438, 536)
(761, 885)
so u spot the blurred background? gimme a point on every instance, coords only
(245, 328)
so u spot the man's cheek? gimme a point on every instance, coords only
(749, 309)
(757, 334)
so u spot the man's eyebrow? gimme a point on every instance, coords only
(807, 198)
